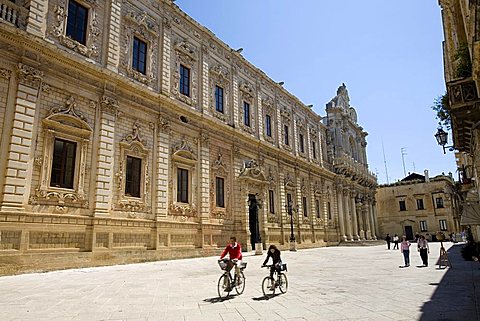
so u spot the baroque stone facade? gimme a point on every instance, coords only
(149, 138)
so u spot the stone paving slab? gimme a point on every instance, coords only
(334, 283)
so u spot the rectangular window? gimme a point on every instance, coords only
(289, 204)
(285, 135)
(182, 185)
(439, 202)
(403, 207)
(423, 226)
(314, 150)
(133, 176)
(271, 201)
(420, 204)
(443, 225)
(329, 210)
(246, 114)
(317, 208)
(304, 204)
(63, 163)
(219, 99)
(268, 125)
(139, 55)
(184, 80)
(77, 22)
(220, 192)
(302, 146)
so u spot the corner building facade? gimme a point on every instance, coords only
(131, 133)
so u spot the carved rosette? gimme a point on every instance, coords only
(247, 94)
(29, 76)
(58, 30)
(220, 76)
(186, 55)
(144, 27)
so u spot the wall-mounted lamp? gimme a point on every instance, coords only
(442, 139)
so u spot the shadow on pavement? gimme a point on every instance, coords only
(219, 299)
(456, 296)
(265, 298)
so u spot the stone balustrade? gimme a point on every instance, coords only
(13, 14)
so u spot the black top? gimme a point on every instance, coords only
(275, 257)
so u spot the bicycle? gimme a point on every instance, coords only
(226, 283)
(269, 284)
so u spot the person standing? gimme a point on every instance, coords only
(405, 249)
(395, 242)
(423, 248)
(388, 239)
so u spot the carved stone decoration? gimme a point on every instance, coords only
(288, 181)
(5, 73)
(183, 150)
(164, 124)
(186, 55)
(253, 172)
(220, 76)
(133, 145)
(268, 106)
(58, 30)
(247, 94)
(29, 76)
(63, 122)
(188, 210)
(144, 27)
(109, 105)
(219, 169)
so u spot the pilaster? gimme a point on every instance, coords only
(204, 177)
(348, 218)
(18, 170)
(235, 105)
(166, 56)
(113, 56)
(341, 215)
(37, 18)
(106, 148)
(162, 167)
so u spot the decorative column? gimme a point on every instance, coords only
(354, 216)
(299, 204)
(283, 206)
(361, 221)
(106, 151)
(37, 18)
(235, 105)
(18, 169)
(113, 56)
(366, 211)
(341, 214)
(162, 159)
(348, 219)
(375, 230)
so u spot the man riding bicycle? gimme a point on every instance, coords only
(234, 251)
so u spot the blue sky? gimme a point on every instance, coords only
(388, 53)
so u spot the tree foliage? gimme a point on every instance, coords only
(464, 63)
(441, 107)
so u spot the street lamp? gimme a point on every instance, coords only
(290, 210)
(442, 139)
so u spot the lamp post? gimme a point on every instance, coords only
(442, 139)
(290, 209)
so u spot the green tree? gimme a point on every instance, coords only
(442, 107)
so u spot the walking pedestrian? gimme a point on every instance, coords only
(388, 239)
(395, 242)
(423, 248)
(405, 249)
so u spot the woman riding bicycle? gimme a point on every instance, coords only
(273, 253)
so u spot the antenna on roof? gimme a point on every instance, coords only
(404, 152)
(385, 162)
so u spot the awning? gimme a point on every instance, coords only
(470, 214)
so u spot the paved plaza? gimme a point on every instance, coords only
(335, 283)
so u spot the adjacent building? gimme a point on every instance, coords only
(418, 204)
(129, 132)
(461, 53)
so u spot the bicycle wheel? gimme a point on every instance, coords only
(224, 286)
(268, 287)
(240, 284)
(283, 283)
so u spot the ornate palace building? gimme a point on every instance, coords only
(129, 132)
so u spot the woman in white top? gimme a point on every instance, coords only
(423, 248)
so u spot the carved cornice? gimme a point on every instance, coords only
(109, 105)
(5, 73)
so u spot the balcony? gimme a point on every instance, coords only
(13, 14)
(464, 110)
(347, 166)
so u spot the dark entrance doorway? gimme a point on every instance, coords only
(409, 232)
(253, 219)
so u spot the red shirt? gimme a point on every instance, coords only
(234, 251)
